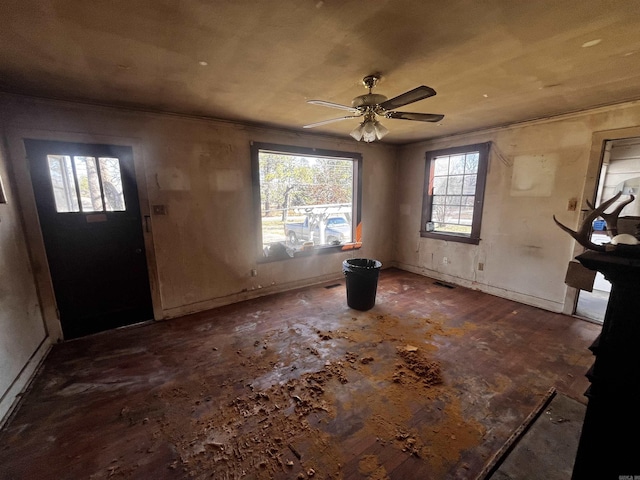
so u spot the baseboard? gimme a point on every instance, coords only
(248, 295)
(550, 305)
(11, 399)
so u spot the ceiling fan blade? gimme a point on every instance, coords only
(332, 105)
(324, 122)
(418, 93)
(420, 117)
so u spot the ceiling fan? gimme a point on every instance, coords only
(372, 105)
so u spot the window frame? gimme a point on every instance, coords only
(356, 243)
(427, 199)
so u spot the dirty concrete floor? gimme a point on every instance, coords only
(429, 384)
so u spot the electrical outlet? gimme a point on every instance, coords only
(445, 260)
(480, 266)
(254, 272)
(159, 209)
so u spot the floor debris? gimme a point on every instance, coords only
(291, 393)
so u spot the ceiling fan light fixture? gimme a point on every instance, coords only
(372, 105)
(381, 130)
(358, 132)
(369, 131)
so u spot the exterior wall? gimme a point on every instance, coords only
(524, 253)
(22, 332)
(202, 252)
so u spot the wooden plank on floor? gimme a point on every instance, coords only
(493, 464)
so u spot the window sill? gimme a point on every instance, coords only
(450, 237)
(319, 250)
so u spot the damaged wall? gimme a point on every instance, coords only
(22, 332)
(203, 250)
(535, 169)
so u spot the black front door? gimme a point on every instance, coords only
(89, 213)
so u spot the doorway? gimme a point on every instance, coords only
(619, 171)
(89, 212)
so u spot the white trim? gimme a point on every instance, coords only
(12, 397)
(597, 153)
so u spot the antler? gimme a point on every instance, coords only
(612, 218)
(583, 235)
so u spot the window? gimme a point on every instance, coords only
(454, 193)
(81, 184)
(307, 199)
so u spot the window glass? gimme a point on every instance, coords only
(472, 162)
(454, 193)
(89, 183)
(441, 166)
(307, 200)
(63, 182)
(112, 184)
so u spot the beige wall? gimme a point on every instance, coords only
(202, 252)
(22, 332)
(524, 254)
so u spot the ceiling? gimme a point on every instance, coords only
(492, 62)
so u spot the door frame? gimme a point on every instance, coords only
(35, 242)
(590, 191)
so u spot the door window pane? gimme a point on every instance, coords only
(63, 183)
(99, 183)
(89, 183)
(112, 184)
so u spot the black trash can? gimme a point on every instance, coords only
(362, 282)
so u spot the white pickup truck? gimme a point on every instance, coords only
(337, 230)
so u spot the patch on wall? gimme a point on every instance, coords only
(534, 175)
(226, 180)
(172, 179)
